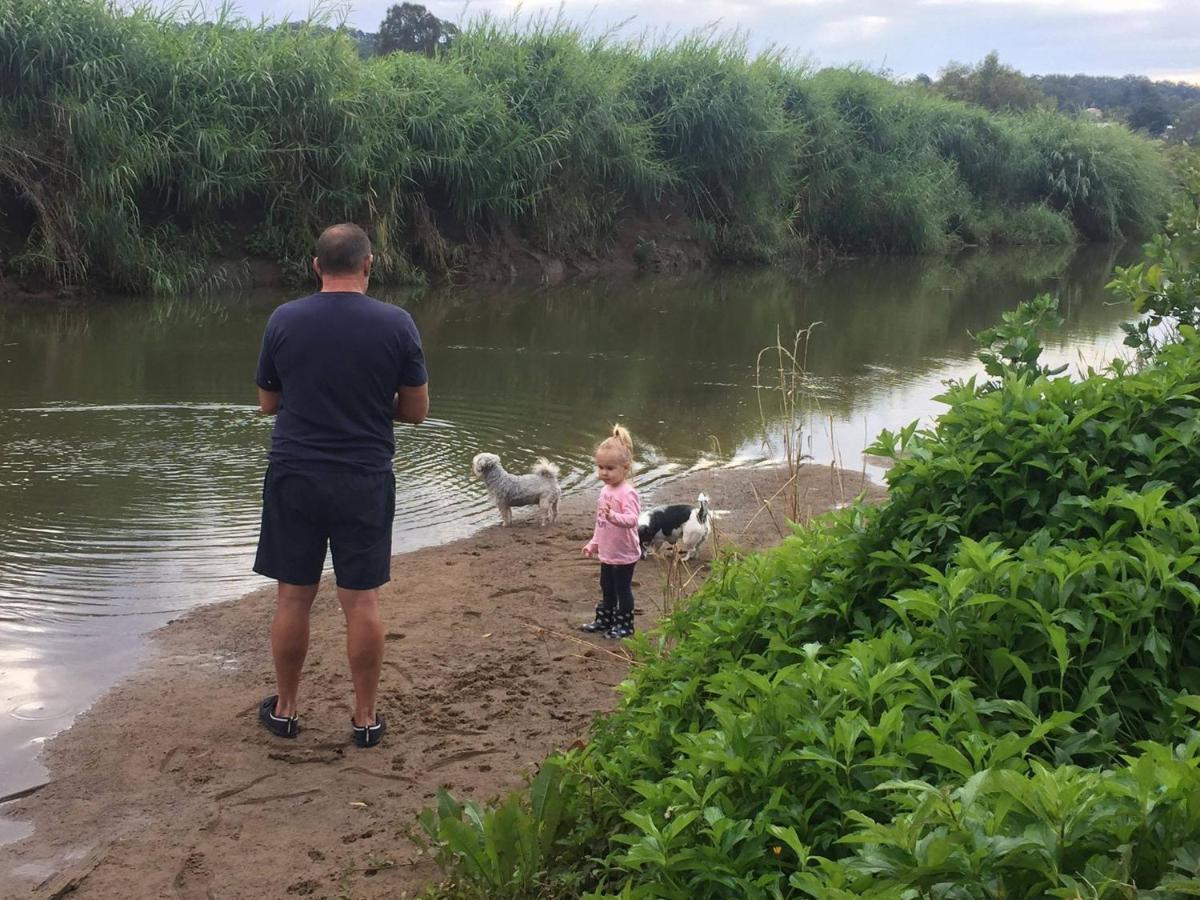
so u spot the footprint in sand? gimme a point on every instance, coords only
(193, 879)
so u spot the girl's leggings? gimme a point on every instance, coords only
(616, 587)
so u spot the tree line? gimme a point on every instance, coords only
(1158, 108)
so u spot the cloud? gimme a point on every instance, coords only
(1159, 38)
(853, 28)
(1192, 77)
(1063, 7)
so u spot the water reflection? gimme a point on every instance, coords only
(131, 458)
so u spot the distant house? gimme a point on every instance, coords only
(1094, 112)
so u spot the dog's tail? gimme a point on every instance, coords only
(702, 510)
(545, 468)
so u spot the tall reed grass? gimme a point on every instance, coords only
(138, 146)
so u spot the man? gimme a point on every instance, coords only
(338, 367)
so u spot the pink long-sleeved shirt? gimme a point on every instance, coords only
(616, 542)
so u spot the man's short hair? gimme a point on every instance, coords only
(342, 249)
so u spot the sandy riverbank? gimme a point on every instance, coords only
(168, 787)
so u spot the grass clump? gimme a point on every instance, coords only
(1033, 224)
(989, 685)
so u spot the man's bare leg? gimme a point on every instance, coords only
(364, 647)
(289, 642)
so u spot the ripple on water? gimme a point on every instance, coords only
(41, 710)
(126, 507)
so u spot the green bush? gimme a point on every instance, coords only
(1165, 287)
(868, 174)
(1033, 224)
(720, 129)
(1063, 832)
(1108, 180)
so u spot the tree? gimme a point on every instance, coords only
(1148, 110)
(1187, 126)
(411, 28)
(989, 84)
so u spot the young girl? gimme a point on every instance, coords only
(615, 539)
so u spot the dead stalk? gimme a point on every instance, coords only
(542, 630)
(790, 381)
(767, 503)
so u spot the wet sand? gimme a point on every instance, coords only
(168, 787)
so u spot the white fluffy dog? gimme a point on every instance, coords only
(539, 487)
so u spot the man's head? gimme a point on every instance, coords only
(343, 257)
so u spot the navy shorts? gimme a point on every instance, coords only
(305, 511)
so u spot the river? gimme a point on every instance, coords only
(132, 454)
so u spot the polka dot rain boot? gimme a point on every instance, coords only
(622, 626)
(603, 623)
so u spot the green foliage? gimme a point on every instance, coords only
(1051, 832)
(871, 174)
(503, 849)
(138, 145)
(1149, 111)
(1134, 100)
(1013, 346)
(990, 84)
(1033, 224)
(987, 686)
(1115, 96)
(1108, 181)
(1165, 288)
(719, 127)
(411, 28)
(577, 98)
(1187, 126)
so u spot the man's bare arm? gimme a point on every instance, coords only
(411, 404)
(269, 401)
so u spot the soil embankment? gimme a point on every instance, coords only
(168, 787)
(660, 243)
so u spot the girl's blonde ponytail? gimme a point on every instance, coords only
(621, 443)
(621, 433)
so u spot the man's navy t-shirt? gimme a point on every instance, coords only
(338, 358)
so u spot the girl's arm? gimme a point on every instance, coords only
(622, 518)
(593, 544)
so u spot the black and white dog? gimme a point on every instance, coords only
(538, 487)
(680, 524)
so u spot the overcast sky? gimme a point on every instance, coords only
(1159, 38)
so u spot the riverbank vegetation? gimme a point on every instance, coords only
(138, 148)
(986, 686)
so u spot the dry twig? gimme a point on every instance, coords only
(542, 630)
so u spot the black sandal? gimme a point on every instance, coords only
(280, 726)
(368, 735)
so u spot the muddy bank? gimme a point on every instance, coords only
(659, 242)
(169, 788)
